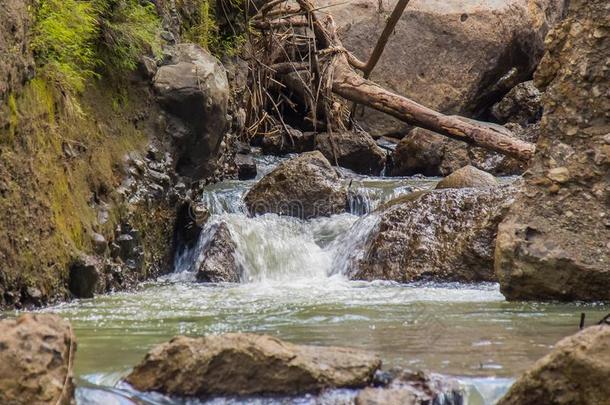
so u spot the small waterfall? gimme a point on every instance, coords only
(283, 248)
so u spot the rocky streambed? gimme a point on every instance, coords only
(294, 284)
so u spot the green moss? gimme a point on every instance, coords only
(73, 39)
(128, 29)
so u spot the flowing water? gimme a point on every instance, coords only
(294, 287)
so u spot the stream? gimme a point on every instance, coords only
(295, 287)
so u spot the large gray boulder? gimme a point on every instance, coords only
(577, 371)
(455, 56)
(36, 357)
(355, 150)
(305, 186)
(441, 235)
(194, 89)
(246, 364)
(555, 242)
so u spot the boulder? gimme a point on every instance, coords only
(281, 142)
(246, 167)
(36, 357)
(554, 242)
(522, 105)
(84, 276)
(413, 388)
(577, 371)
(428, 153)
(194, 89)
(455, 56)
(217, 262)
(442, 235)
(356, 151)
(246, 364)
(419, 152)
(467, 177)
(305, 186)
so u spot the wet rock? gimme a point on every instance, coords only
(36, 355)
(454, 56)
(100, 244)
(245, 364)
(577, 371)
(522, 105)
(468, 177)
(195, 90)
(246, 167)
(217, 262)
(553, 243)
(443, 235)
(413, 388)
(305, 186)
(282, 143)
(84, 276)
(420, 152)
(356, 151)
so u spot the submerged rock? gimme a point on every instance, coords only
(468, 177)
(217, 260)
(356, 151)
(554, 243)
(36, 357)
(305, 186)
(194, 89)
(444, 235)
(455, 56)
(577, 371)
(246, 364)
(409, 388)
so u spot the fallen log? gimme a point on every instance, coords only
(341, 78)
(349, 85)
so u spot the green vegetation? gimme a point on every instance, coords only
(74, 39)
(202, 24)
(128, 29)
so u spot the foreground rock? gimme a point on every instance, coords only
(246, 364)
(353, 150)
(217, 262)
(305, 186)
(194, 89)
(36, 357)
(408, 388)
(577, 371)
(468, 177)
(555, 242)
(454, 56)
(444, 235)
